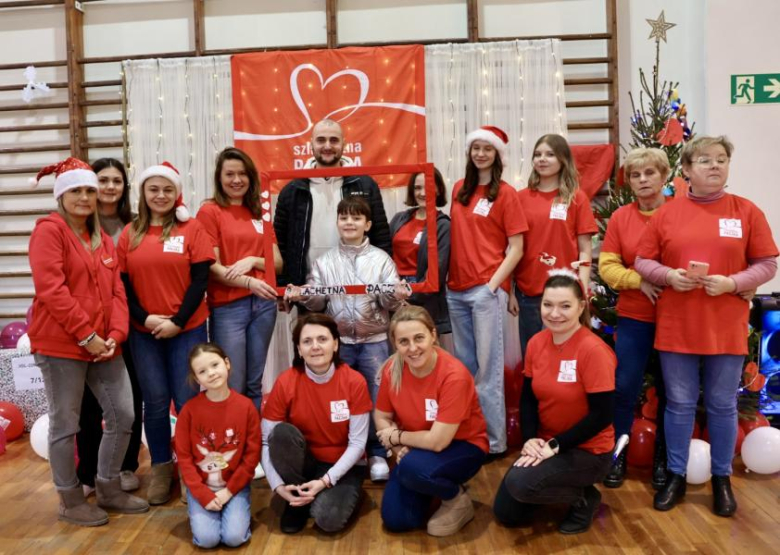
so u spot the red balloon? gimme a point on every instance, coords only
(511, 394)
(15, 420)
(696, 431)
(651, 394)
(514, 436)
(650, 409)
(640, 448)
(748, 425)
(740, 438)
(2, 440)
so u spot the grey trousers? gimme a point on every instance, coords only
(64, 381)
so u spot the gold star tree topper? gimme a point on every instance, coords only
(660, 26)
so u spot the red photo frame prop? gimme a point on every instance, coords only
(431, 283)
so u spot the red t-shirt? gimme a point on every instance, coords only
(563, 375)
(551, 241)
(726, 233)
(160, 272)
(236, 234)
(406, 245)
(479, 235)
(217, 432)
(445, 395)
(625, 229)
(320, 411)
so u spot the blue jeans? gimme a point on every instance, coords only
(368, 358)
(530, 317)
(633, 348)
(721, 380)
(162, 366)
(229, 526)
(243, 329)
(422, 475)
(477, 317)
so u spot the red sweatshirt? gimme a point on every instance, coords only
(217, 445)
(76, 292)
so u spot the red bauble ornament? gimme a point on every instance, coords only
(640, 448)
(671, 134)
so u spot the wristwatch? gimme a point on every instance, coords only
(553, 444)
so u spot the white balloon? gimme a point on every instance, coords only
(39, 437)
(699, 465)
(23, 345)
(761, 450)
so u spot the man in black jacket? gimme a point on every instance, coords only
(305, 218)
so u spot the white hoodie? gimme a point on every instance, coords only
(325, 196)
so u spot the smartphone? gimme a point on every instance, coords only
(697, 270)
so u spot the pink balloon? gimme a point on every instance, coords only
(11, 334)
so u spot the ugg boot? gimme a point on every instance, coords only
(111, 497)
(75, 509)
(453, 515)
(159, 491)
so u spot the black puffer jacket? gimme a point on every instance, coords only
(292, 223)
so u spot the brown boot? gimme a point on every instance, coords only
(453, 515)
(159, 491)
(111, 497)
(75, 509)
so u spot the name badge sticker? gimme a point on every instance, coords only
(339, 411)
(431, 410)
(417, 238)
(483, 206)
(567, 373)
(174, 244)
(258, 225)
(730, 228)
(558, 211)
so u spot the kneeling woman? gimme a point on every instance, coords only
(428, 413)
(566, 414)
(315, 428)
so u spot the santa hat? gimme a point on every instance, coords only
(170, 173)
(491, 135)
(71, 173)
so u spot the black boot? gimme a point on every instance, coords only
(617, 472)
(723, 502)
(659, 465)
(671, 493)
(294, 519)
(581, 513)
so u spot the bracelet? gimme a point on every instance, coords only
(248, 282)
(326, 484)
(400, 443)
(89, 338)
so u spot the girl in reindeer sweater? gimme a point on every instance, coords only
(218, 448)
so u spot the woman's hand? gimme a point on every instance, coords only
(109, 352)
(166, 329)
(261, 289)
(513, 306)
(715, 285)
(748, 295)
(214, 505)
(400, 452)
(97, 346)
(402, 290)
(223, 496)
(650, 290)
(312, 488)
(679, 280)
(154, 320)
(288, 493)
(534, 447)
(292, 293)
(524, 461)
(384, 436)
(240, 267)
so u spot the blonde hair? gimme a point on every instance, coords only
(699, 143)
(93, 225)
(409, 313)
(568, 179)
(140, 225)
(641, 157)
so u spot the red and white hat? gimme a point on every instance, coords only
(170, 173)
(71, 173)
(492, 135)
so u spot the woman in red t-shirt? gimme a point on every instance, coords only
(410, 247)
(486, 243)
(164, 257)
(428, 413)
(315, 428)
(243, 305)
(646, 170)
(560, 227)
(566, 413)
(711, 248)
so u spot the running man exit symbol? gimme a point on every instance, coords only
(761, 88)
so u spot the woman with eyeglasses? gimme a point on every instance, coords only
(710, 250)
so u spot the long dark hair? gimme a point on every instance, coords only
(252, 197)
(314, 319)
(574, 284)
(471, 180)
(441, 189)
(123, 206)
(198, 350)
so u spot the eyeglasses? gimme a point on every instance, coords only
(704, 161)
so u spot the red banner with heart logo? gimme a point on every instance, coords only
(377, 94)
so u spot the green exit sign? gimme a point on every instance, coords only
(759, 88)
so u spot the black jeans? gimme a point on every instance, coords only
(560, 479)
(91, 428)
(333, 507)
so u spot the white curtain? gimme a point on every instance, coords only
(180, 110)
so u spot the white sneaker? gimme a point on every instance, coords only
(378, 469)
(259, 472)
